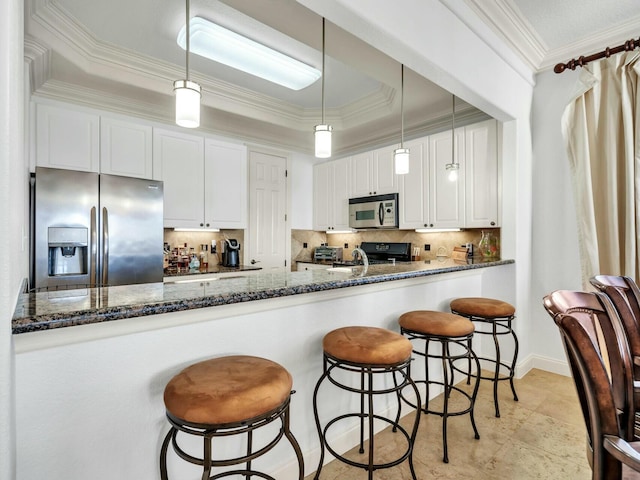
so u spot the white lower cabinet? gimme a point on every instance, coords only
(331, 192)
(301, 266)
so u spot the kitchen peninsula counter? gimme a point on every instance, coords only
(64, 308)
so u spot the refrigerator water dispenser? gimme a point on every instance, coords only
(68, 250)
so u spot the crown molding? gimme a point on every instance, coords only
(593, 43)
(38, 59)
(52, 25)
(506, 20)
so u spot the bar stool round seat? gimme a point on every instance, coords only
(499, 316)
(227, 396)
(448, 330)
(368, 352)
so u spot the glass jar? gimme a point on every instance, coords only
(488, 245)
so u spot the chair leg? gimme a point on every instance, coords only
(447, 392)
(370, 418)
(206, 459)
(496, 373)
(249, 444)
(513, 362)
(163, 454)
(361, 413)
(294, 443)
(317, 419)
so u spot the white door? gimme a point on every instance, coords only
(267, 210)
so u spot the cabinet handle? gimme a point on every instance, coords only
(207, 225)
(202, 224)
(493, 223)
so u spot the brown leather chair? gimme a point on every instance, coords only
(599, 359)
(625, 296)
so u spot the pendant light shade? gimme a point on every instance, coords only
(187, 93)
(323, 131)
(401, 155)
(187, 103)
(323, 140)
(454, 166)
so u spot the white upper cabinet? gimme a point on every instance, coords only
(413, 197)
(178, 160)
(126, 148)
(225, 171)
(331, 192)
(67, 139)
(481, 175)
(373, 173)
(446, 197)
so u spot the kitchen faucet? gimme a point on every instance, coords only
(358, 252)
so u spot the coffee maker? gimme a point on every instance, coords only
(230, 252)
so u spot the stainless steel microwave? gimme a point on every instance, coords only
(376, 211)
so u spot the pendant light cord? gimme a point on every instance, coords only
(323, 71)
(402, 106)
(188, 40)
(453, 128)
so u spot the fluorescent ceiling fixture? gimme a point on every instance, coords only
(229, 48)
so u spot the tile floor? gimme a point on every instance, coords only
(542, 436)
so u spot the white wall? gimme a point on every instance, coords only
(302, 191)
(556, 263)
(13, 182)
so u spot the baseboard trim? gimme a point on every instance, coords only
(542, 363)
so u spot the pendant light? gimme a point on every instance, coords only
(401, 155)
(454, 166)
(187, 93)
(323, 131)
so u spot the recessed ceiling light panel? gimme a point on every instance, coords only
(221, 45)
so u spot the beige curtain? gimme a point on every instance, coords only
(600, 127)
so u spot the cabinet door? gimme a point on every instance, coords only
(178, 160)
(385, 179)
(339, 193)
(225, 185)
(362, 174)
(413, 195)
(322, 176)
(446, 198)
(481, 175)
(67, 139)
(125, 148)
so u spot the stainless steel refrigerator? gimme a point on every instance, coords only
(92, 230)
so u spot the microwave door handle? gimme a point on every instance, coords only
(381, 213)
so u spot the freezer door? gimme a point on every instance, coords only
(63, 237)
(130, 230)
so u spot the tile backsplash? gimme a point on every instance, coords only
(196, 239)
(442, 242)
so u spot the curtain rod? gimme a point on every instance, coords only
(606, 53)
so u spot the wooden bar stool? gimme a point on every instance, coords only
(228, 396)
(447, 329)
(370, 352)
(499, 315)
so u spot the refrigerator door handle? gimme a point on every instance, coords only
(105, 246)
(94, 249)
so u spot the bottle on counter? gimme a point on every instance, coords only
(204, 255)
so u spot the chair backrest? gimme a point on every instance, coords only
(625, 295)
(595, 346)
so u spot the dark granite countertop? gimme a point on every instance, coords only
(65, 308)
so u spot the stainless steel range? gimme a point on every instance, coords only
(383, 252)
